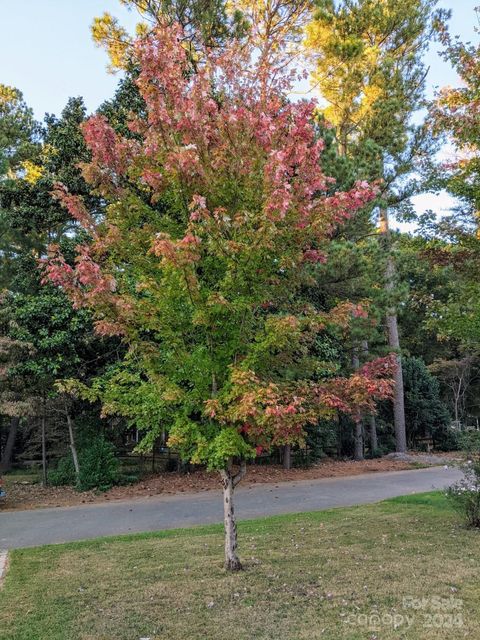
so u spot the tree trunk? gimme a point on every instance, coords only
(287, 456)
(6, 462)
(358, 434)
(371, 418)
(398, 399)
(44, 452)
(393, 340)
(358, 438)
(229, 482)
(339, 436)
(373, 434)
(73, 447)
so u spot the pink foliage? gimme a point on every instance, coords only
(228, 125)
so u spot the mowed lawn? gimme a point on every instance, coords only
(341, 574)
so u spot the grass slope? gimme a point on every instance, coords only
(314, 575)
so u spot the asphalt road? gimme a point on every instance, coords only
(64, 524)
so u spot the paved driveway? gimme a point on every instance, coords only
(62, 524)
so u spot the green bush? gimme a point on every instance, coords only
(99, 468)
(63, 474)
(448, 439)
(465, 494)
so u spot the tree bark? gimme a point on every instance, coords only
(44, 451)
(393, 340)
(358, 441)
(229, 482)
(358, 453)
(73, 446)
(371, 419)
(6, 462)
(373, 433)
(398, 398)
(287, 456)
(339, 437)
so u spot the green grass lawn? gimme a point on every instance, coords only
(315, 575)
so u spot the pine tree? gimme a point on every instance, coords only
(368, 67)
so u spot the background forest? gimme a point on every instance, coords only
(86, 402)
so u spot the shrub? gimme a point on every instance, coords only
(63, 474)
(448, 439)
(99, 468)
(465, 494)
(379, 452)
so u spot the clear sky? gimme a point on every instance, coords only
(47, 52)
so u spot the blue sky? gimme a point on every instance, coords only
(47, 52)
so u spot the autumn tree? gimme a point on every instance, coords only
(200, 282)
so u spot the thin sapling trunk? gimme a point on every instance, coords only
(229, 482)
(73, 446)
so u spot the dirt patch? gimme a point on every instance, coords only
(23, 495)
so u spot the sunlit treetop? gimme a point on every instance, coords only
(18, 131)
(369, 67)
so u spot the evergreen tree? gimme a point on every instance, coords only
(368, 57)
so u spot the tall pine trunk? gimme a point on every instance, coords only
(6, 462)
(229, 482)
(393, 339)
